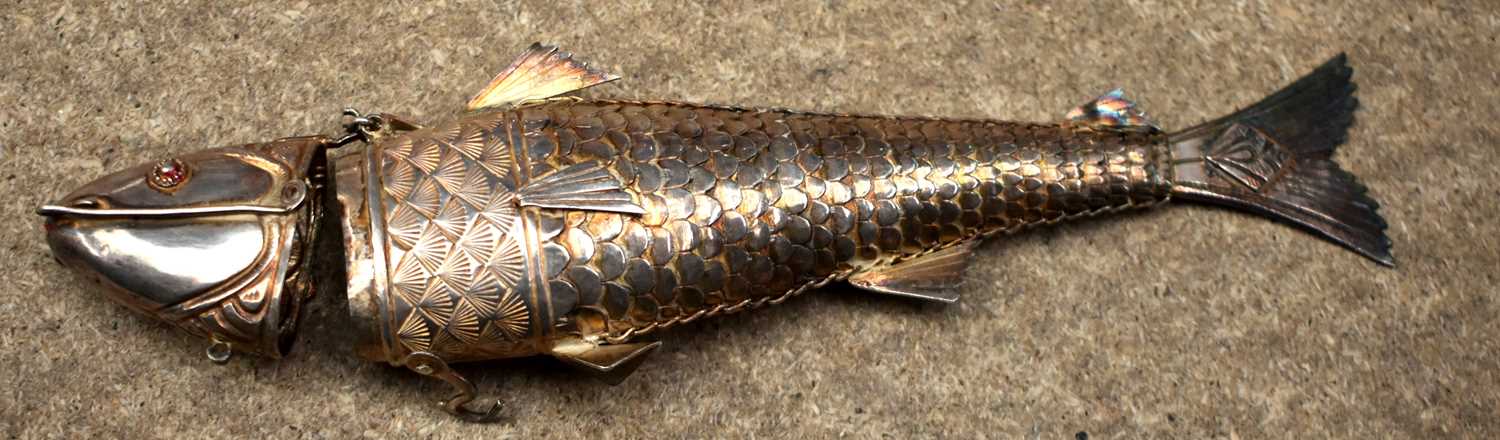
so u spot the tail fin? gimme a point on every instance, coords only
(1275, 158)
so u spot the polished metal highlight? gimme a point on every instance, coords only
(539, 224)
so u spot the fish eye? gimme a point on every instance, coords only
(168, 175)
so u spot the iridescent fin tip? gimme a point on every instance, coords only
(539, 73)
(1111, 110)
(931, 277)
(585, 186)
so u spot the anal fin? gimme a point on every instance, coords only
(611, 363)
(932, 277)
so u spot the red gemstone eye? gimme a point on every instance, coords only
(168, 174)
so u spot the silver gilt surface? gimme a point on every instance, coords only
(541, 224)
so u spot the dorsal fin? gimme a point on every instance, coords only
(933, 277)
(1111, 110)
(541, 72)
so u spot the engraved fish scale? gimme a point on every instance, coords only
(785, 200)
(739, 206)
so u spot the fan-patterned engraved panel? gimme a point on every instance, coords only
(456, 253)
(1247, 156)
(743, 205)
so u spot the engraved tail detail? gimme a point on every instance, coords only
(1275, 158)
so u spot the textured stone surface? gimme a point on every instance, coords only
(1177, 322)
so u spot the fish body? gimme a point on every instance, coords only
(739, 207)
(544, 225)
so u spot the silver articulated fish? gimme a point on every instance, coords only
(541, 224)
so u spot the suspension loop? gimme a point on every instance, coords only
(362, 123)
(359, 127)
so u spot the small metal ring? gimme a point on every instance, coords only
(370, 125)
(359, 127)
(293, 193)
(219, 352)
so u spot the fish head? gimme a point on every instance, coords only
(211, 241)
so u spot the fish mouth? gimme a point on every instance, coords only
(230, 270)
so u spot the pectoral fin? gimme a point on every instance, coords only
(1111, 110)
(539, 73)
(585, 186)
(932, 277)
(611, 363)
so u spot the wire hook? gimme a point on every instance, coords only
(428, 364)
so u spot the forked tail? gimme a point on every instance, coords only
(1276, 158)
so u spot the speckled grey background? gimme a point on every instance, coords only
(1180, 322)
